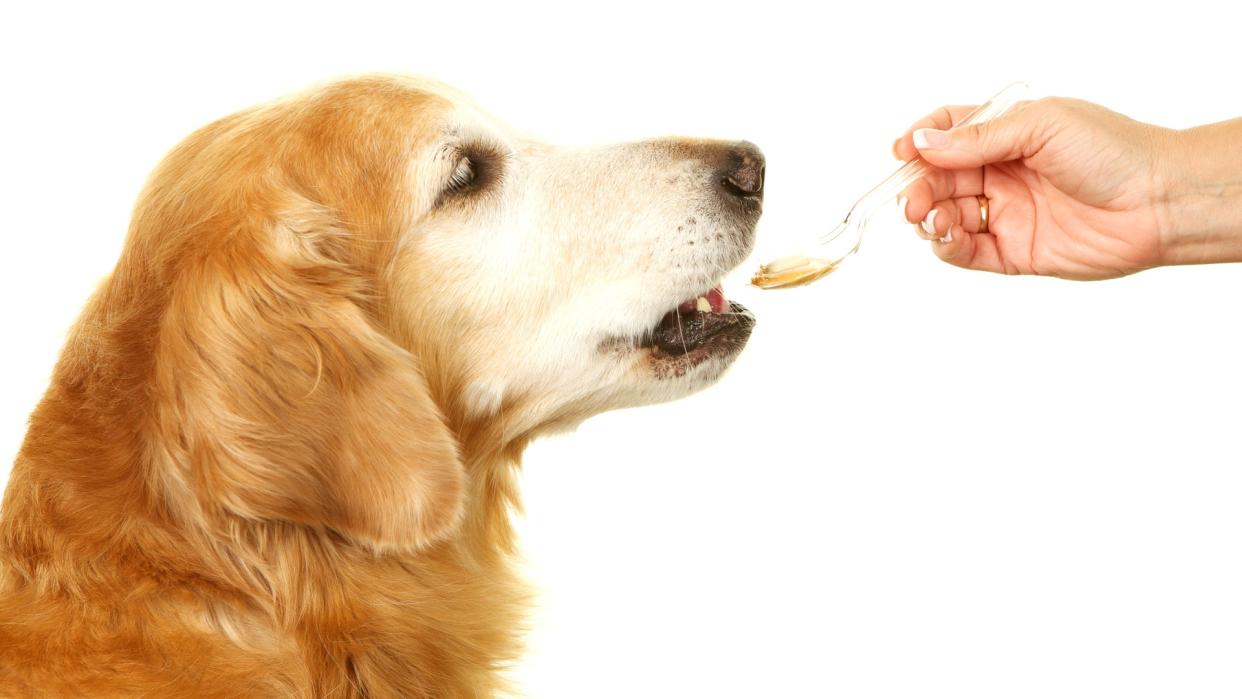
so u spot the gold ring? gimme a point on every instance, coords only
(983, 214)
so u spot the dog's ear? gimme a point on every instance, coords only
(289, 405)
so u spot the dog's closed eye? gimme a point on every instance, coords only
(477, 167)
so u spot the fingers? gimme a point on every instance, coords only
(942, 204)
(963, 212)
(962, 248)
(943, 118)
(1011, 136)
(952, 226)
(938, 185)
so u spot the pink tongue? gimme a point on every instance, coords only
(715, 297)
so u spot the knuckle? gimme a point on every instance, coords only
(1052, 104)
(1055, 108)
(986, 135)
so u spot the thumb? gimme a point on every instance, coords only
(1007, 137)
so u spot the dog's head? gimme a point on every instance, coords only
(560, 282)
(357, 275)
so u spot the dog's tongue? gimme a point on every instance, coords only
(712, 302)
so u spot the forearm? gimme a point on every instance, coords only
(1201, 217)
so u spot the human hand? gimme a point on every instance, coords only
(1074, 190)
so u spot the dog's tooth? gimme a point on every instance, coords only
(702, 305)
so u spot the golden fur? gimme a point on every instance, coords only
(270, 463)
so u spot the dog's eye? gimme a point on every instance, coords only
(464, 175)
(478, 168)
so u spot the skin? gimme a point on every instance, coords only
(1076, 191)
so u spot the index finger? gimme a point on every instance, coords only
(943, 118)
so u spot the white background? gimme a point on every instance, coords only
(918, 481)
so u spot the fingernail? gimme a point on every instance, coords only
(948, 237)
(901, 207)
(930, 138)
(929, 223)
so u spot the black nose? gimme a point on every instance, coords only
(742, 175)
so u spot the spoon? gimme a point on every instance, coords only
(829, 251)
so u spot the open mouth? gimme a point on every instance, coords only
(708, 325)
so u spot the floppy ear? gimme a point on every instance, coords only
(289, 405)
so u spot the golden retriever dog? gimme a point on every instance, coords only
(277, 457)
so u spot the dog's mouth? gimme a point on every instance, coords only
(706, 326)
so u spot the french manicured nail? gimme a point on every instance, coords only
(930, 138)
(929, 224)
(901, 207)
(948, 237)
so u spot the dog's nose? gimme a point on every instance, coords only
(742, 175)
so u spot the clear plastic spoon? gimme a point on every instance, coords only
(830, 250)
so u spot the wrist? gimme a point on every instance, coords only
(1199, 194)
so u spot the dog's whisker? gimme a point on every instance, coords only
(681, 331)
